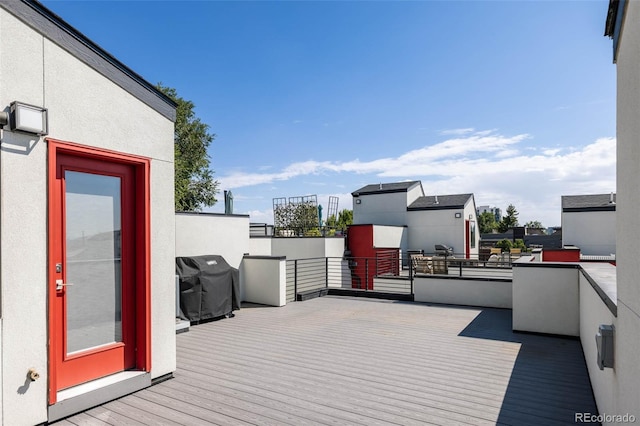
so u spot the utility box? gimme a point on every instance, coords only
(604, 344)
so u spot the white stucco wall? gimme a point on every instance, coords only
(426, 228)
(414, 193)
(486, 293)
(594, 312)
(334, 247)
(219, 234)
(264, 280)
(307, 247)
(593, 232)
(84, 108)
(390, 237)
(381, 209)
(23, 246)
(628, 200)
(260, 246)
(546, 299)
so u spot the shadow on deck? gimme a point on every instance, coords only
(548, 381)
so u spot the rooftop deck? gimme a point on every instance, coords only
(337, 360)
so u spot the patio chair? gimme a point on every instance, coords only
(422, 264)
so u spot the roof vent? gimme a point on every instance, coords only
(611, 201)
(436, 201)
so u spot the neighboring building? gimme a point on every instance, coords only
(385, 203)
(444, 219)
(495, 211)
(436, 219)
(87, 221)
(589, 223)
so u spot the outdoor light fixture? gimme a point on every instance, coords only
(26, 118)
(604, 345)
(458, 215)
(358, 201)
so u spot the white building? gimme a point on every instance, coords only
(435, 219)
(87, 222)
(589, 223)
(385, 203)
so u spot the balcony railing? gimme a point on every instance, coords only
(388, 272)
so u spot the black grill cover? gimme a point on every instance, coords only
(209, 287)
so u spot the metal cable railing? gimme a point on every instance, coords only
(388, 272)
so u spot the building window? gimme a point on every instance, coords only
(472, 234)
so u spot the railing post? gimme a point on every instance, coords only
(295, 280)
(410, 273)
(326, 272)
(366, 274)
(460, 268)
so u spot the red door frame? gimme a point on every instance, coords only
(141, 253)
(467, 238)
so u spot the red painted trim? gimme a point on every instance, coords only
(467, 239)
(137, 188)
(54, 207)
(143, 234)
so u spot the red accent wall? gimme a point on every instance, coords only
(561, 255)
(360, 243)
(369, 261)
(467, 239)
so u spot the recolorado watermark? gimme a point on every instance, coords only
(604, 418)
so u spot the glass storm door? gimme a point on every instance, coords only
(94, 269)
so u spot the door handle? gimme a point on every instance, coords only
(60, 285)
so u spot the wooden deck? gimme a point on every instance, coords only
(337, 360)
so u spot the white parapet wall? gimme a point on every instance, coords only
(212, 233)
(263, 280)
(546, 298)
(491, 293)
(390, 237)
(594, 280)
(260, 246)
(307, 247)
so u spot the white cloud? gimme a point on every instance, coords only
(260, 216)
(409, 164)
(462, 131)
(498, 169)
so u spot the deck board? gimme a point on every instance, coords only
(339, 360)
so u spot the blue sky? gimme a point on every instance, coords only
(511, 100)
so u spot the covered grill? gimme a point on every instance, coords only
(443, 250)
(209, 287)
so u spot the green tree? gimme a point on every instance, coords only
(345, 218)
(510, 220)
(195, 187)
(487, 222)
(505, 244)
(519, 243)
